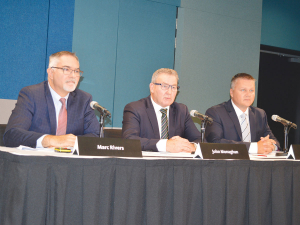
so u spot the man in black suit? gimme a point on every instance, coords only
(236, 121)
(158, 129)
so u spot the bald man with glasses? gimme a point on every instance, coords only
(54, 112)
(157, 121)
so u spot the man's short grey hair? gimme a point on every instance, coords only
(164, 70)
(54, 58)
(240, 75)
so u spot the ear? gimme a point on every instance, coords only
(151, 87)
(50, 73)
(231, 92)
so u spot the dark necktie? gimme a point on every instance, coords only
(62, 118)
(164, 124)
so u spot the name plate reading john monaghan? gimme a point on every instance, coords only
(224, 151)
(118, 147)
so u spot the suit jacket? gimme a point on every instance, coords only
(140, 122)
(226, 126)
(34, 116)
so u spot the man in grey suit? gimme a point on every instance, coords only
(157, 121)
(54, 112)
(236, 121)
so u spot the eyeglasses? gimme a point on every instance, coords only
(167, 86)
(68, 71)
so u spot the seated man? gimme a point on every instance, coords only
(157, 121)
(236, 121)
(54, 112)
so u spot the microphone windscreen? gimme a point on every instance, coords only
(92, 104)
(274, 117)
(192, 113)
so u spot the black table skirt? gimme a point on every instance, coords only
(54, 190)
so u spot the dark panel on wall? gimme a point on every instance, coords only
(278, 89)
(146, 41)
(169, 2)
(26, 40)
(120, 43)
(95, 43)
(281, 24)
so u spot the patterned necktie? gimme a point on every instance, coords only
(164, 124)
(245, 128)
(62, 118)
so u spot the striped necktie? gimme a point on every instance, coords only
(164, 124)
(62, 118)
(245, 128)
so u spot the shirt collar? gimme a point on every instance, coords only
(158, 107)
(238, 111)
(56, 96)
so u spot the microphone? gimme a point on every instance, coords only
(195, 113)
(284, 121)
(95, 105)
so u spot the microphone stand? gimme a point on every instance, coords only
(203, 127)
(101, 120)
(285, 148)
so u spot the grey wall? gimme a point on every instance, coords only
(216, 40)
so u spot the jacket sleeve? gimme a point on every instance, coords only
(17, 131)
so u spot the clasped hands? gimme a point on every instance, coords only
(67, 140)
(179, 144)
(265, 145)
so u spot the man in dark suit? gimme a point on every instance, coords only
(236, 121)
(54, 112)
(157, 121)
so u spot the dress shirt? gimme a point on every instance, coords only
(162, 143)
(57, 105)
(253, 146)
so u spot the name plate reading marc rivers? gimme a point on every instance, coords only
(119, 147)
(224, 151)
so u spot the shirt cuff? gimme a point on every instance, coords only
(39, 141)
(161, 145)
(197, 146)
(253, 148)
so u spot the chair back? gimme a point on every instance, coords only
(112, 132)
(2, 130)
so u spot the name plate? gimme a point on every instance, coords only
(294, 152)
(224, 151)
(119, 147)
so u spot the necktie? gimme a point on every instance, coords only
(164, 124)
(62, 118)
(245, 128)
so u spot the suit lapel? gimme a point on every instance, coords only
(252, 125)
(51, 109)
(172, 120)
(152, 118)
(234, 118)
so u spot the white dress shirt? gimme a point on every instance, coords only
(162, 143)
(253, 146)
(57, 105)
